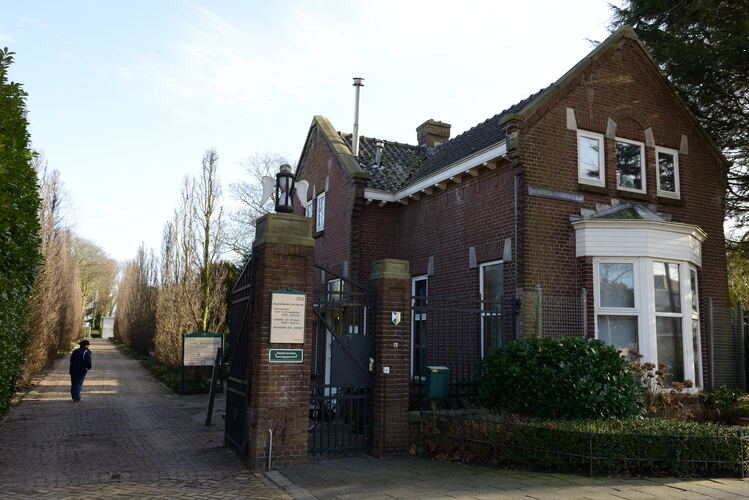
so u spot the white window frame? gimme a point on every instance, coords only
(308, 209)
(617, 311)
(695, 315)
(320, 220)
(643, 166)
(481, 296)
(601, 181)
(667, 194)
(421, 317)
(645, 310)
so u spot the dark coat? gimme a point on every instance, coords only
(80, 362)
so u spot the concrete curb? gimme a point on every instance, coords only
(295, 491)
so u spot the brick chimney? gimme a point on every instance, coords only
(432, 133)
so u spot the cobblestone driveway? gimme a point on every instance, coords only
(129, 437)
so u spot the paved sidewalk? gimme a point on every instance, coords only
(129, 437)
(417, 478)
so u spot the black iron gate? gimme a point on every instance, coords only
(238, 381)
(340, 415)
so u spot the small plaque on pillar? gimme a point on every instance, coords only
(287, 312)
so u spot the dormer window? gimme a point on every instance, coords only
(630, 165)
(590, 158)
(667, 175)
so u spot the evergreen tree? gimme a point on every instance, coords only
(703, 47)
(19, 229)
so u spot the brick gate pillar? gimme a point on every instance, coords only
(283, 252)
(392, 280)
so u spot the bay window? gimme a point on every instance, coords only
(649, 305)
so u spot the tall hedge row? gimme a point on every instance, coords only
(19, 229)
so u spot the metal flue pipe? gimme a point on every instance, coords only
(358, 82)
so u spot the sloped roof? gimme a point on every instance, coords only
(404, 164)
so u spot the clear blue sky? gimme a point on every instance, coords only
(124, 97)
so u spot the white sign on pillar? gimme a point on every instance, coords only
(287, 316)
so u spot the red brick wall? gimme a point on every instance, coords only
(333, 244)
(279, 391)
(623, 85)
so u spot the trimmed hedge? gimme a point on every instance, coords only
(19, 230)
(633, 447)
(565, 377)
(195, 381)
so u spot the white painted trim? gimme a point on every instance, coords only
(639, 238)
(601, 159)
(443, 175)
(414, 279)
(645, 309)
(643, 166)
(675, 154)
(320, 215)
(481, 295)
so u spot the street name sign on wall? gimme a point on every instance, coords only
(287, 316)
(199, 348)
(555, 195)
(285, 355)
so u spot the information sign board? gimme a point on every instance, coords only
(199, 349)
(287, 316)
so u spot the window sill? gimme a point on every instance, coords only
(318, 233)
(667, 200)
(591, 188)
(632, 195)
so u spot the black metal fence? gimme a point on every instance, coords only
(456, 333)
(341, 407)
(238, 380)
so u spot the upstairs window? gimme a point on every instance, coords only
(320, 222)
(590, 158)
(308, 209)
(667, 175)
(630, 165)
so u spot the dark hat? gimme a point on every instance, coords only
(83, 342)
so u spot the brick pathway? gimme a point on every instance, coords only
(129, 437)
(417, 478)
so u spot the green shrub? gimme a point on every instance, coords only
(612, 447)
(19, 229)
(566, 377)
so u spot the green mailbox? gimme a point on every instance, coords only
(436, 381)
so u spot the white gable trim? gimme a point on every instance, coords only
(639, 238)
(443, 175)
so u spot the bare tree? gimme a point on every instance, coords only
(54, 312)
(135, 321)
(97, 274)
(209, 217)
(249, 193)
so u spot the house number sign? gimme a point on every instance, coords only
(287, 316)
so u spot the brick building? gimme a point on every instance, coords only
(600, 191)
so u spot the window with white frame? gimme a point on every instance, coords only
(590, 164)
(630, 165)
(320, 222)
(650, 306)
(419, 292)
(491, 283)
(308, 209)
(667, 174)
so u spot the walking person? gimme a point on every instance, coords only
(80, 364)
